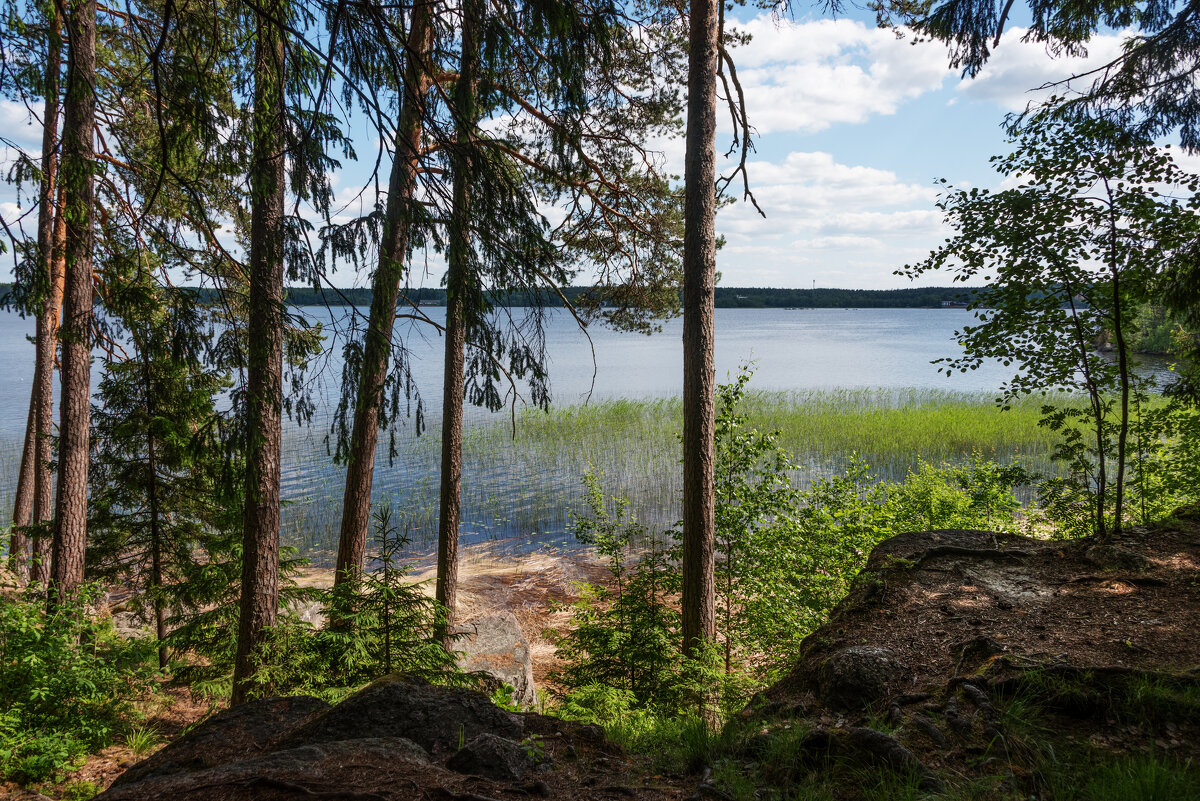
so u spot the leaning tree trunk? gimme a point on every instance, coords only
(47, 338)
(385, 291)
(25, 511)
(264, 354)
(18, 541)
(70, 518)
(699, 377)
(458, 257)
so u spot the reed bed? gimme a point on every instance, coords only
(522, 482)
(635, 443)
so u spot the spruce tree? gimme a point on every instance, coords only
(160, 506)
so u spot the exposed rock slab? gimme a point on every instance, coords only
(251, 728)
(296, 771)
(439, 719)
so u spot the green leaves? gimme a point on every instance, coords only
(1098, 218)
(67, 684)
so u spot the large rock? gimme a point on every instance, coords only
(293, 771)
(858, 676)
(493, 757)
(249, 728)
(496, 646)
(439, 719)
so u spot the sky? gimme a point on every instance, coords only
(853, 126)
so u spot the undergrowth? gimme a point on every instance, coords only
(68, 684)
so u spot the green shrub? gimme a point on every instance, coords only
(67, 684)
(380, 624)
(784, 558)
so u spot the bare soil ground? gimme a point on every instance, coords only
(1002, 662)
(535, 587)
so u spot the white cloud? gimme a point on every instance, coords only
(813, 186)
(804, 78)
(20, 127)
(1018, 70)
(822, 214)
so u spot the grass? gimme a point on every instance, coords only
(522, 483)
(1139, 698)
(1142, 779)
(141, 740)
(636, 444)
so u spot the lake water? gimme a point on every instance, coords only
(889, 349)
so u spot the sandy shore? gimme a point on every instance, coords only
(532, 586)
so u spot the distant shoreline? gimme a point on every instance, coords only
(726, 298)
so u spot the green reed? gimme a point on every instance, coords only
(635, 443)
(522, 482)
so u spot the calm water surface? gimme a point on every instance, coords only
(791, 350)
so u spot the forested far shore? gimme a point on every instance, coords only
(1152, 335)
(726, 297)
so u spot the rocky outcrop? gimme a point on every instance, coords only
(228, 736)
(495, 646)
(944, 634)
(385, 741)
(439, 719)
(294, 772)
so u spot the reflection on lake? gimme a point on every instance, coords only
(523, 489)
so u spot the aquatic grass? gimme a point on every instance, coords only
(521, 482)
(10, 467)
(521, 478)
(636, 443)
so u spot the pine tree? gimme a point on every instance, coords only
(70, 508)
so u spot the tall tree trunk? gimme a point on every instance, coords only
(41, 393)
(458, 266)
(18, 542)
(70, 518)
(1123, 376)
(156, 547)
(155, 512)
(699, 375)
(385, 290)
(47, 339)
(264, 353)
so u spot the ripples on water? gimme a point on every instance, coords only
(522, 492)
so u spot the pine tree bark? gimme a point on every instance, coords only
(18, 541)
(264, 353)
(458, 258)
(699, 376)
(70, 519)
(385, 291)
(25, 511)
(47, 340)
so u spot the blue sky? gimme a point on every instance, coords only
(854, 125)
